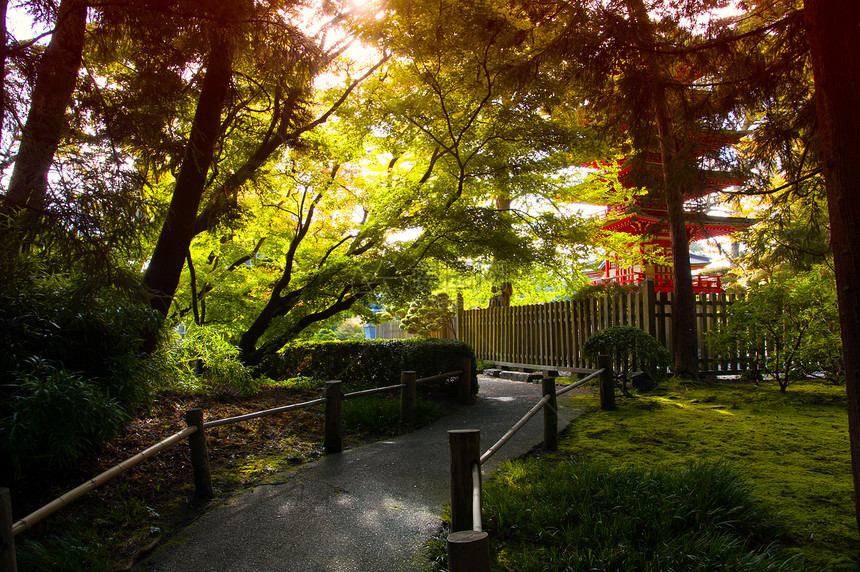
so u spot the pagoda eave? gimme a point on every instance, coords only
(698, 228)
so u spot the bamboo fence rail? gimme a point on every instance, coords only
(196, 435)
(468, 543)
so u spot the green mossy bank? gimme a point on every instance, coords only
(792, 448)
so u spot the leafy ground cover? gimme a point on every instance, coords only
(114, 525)
(571, 516)
(789, 450)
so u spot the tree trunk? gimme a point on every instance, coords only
(4, 49)
(834, 42)
(165, 267)
(684, 344)
(684, 341)
(56, 76)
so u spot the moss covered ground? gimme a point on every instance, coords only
(792, 447)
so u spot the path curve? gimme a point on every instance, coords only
(366, 509)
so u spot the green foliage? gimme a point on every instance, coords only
(584, 516)
(51, 417)
(344, 331)
(381, 416)
(364, 365)
(79, 325)
(603, 290)
(794, 446)
(203, 360)
(429, 314)
(70, 368)
(630, 349)
(790, 327)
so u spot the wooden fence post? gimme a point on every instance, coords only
(199, 455)
(407, 396)
(7, 539)
(550, 415)
(469, 551)
(333, 416)
(464, 390)
(465, 451)
(607, 383)
(649, 310)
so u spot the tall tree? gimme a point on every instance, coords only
(685, 350)
(834, 44)
(162, 273)
(56, 75)
(448, 130)
(636, 69)
(238, 26)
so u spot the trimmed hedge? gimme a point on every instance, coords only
(371, 363)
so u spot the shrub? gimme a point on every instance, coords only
(789, 327)
(203, 360)
(366, 364)
(52, 417)
(70, 367)
(95, 332)
(631, 349)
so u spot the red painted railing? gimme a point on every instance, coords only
(665, 282)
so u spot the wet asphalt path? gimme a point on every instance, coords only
(366, 509)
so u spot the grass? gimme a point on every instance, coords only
(785, 456)
(586, 516)
(792, 447)
(377, 416)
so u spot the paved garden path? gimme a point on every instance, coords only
(366, 509)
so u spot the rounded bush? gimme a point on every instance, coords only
(631, 350)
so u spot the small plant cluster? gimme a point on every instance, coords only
(367, 364)
(586, 516)
(202, 359)
(631, 349)
(376, 415)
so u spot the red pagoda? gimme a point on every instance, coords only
(646, 216)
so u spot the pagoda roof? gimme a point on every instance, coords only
(699, 226)
(646, 170)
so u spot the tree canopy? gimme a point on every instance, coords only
(264, 167)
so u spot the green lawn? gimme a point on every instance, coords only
(787, 454)
(792, 448)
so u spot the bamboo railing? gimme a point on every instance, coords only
(468, 544)
(195, 432)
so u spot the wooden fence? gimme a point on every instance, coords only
(551, 336)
